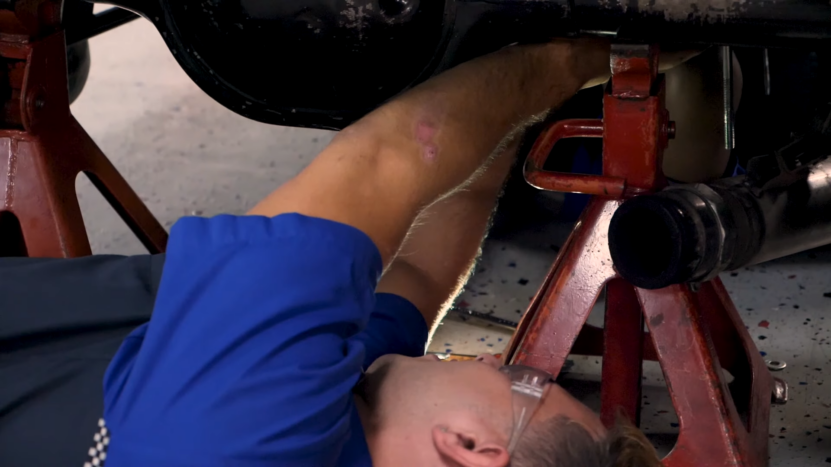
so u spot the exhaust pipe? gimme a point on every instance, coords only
(691, 233)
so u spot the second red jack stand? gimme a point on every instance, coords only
(694, 334)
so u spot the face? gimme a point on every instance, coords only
(470, 400)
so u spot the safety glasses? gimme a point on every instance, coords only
(527, 389)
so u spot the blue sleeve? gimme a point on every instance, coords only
(395, 327)
(252, 350)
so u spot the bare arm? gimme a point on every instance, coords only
(380, 173)
(439, 252)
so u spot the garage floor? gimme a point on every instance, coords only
(185, 154)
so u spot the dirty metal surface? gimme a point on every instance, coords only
(623, 354)
(712, 432)
(568, 295)
(346, 57)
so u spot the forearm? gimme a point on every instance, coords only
(441, 248)
(378, 174)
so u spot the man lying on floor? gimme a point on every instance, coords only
(262, 325)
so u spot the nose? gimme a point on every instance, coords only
(489, 359)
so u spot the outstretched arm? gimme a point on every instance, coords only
(381, 172)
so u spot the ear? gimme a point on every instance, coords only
(465, 450)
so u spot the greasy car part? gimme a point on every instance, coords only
(324, 63)
(691, 233)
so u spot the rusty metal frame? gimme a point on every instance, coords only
(693, 334)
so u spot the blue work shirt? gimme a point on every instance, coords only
(260, 330)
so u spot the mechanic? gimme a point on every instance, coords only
(264, 324)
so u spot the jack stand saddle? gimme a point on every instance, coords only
(43, 148)
(694, 332)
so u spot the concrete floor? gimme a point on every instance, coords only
(185, 154)
(181, 151)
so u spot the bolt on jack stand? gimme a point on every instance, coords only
(693, 334)
(43, 148)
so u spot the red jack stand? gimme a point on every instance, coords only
(694, 334)
(43, 148)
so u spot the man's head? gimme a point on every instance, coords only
(419, 411)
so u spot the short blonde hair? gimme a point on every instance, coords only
(561, 442)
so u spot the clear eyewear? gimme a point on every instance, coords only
(527, 389)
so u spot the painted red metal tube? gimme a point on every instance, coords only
(610, 187)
